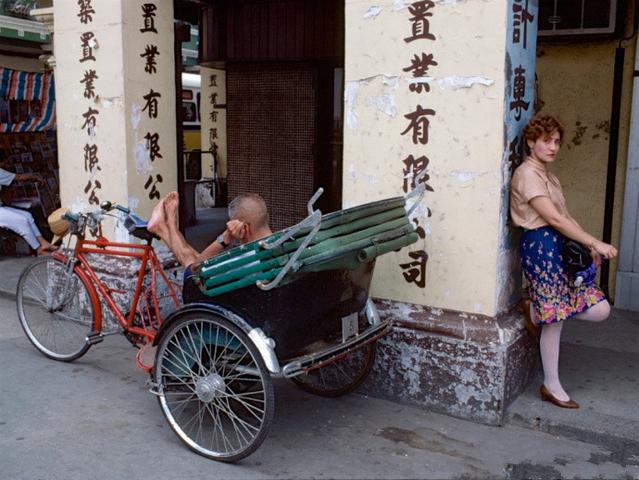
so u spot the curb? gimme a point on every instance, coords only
(623, 449)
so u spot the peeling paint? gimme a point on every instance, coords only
(399, 5)
(136, 115)
(372, 12)
(356, 175)
(384, 103)
(133, 203)
(351, 90)
(463, 177)
(391, 80)
(456, 81)
(427, 80)
(142, 157)
(120, 232)
(580, 131)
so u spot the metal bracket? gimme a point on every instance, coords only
(155, 388)
(418, 191)
(313, 220)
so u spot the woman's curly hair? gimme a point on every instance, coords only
(542, 126)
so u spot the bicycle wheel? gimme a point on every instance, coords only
(55, 309)
(340, 377)
(213, 387)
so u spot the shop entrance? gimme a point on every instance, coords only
(284, 88)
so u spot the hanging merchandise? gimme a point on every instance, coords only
(27, 101)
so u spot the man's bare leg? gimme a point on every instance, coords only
(184, 252)
(157, 223)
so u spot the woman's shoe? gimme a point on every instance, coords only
(549, 397)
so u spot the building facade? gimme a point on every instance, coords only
(361, 98)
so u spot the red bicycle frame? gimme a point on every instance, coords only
(147, 256)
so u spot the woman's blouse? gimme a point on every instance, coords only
(532, 180)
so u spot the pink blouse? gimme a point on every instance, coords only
(532, 180)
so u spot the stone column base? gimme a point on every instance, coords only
(461, 364)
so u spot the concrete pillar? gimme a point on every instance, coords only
(115, 91)
(213, 119)
(446, 87)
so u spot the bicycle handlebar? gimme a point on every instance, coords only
(108, 206)
(79, 220)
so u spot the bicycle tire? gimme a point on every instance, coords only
(213, 387)
(56, 315)
(340, 377)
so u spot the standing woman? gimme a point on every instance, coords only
(538, 205)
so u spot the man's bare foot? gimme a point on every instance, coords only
(171, 207)
(158, 218)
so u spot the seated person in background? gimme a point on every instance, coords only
(248, 221)
(21, 221)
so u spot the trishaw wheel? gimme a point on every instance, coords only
(214, 388)
(55, 309)
(340, 377)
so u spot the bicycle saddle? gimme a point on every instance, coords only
(136, 226)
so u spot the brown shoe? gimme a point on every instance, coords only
(526, 306)
(549, 397)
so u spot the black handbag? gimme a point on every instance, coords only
(576, 257)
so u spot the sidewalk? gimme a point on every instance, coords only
(599, 367)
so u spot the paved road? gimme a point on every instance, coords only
(93, 419)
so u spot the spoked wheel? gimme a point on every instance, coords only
(214, 388)
(55, 309)
(340, 377)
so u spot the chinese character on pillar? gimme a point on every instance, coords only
(419, 124)
(419, 67)
(148, 15)
(420, 24)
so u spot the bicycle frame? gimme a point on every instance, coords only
(147, 256)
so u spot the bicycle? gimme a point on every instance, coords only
(59, 296)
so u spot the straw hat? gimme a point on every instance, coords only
(58, 225)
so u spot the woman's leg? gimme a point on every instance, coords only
(549, 349)
(596, 313)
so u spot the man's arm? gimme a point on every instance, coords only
(213, 249)
(235, 230)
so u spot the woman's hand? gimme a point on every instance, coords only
(606, 250)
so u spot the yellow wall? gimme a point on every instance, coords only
(575, 83)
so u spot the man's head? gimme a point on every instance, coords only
(250, 208)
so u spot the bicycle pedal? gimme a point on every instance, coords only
(94, 337)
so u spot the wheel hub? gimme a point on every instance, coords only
(210, 387)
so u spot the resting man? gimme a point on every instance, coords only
(248, 222)
(21, 221)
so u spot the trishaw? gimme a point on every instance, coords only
(293, 305)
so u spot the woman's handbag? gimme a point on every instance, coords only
(578, 262)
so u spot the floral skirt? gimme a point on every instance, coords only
(554, 296)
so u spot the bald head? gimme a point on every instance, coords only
(250, 208)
